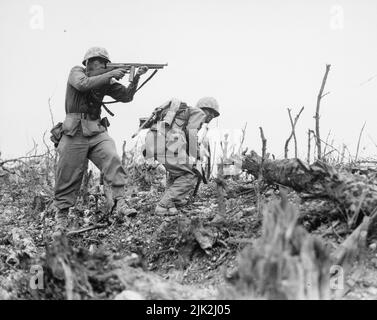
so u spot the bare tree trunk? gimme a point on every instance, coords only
(308, 157)
(316, 117)
(293, 133)
(51, 114)
(264, 148)
(258, 185)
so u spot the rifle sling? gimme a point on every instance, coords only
(109, 102)
(200, 178)
(107, 110)
(149, 78)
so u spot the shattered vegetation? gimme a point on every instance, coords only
(311, 218)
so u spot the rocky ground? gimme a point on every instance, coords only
(145, 256)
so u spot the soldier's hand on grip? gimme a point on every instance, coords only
(118, 73)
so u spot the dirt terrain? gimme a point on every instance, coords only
(188, 256)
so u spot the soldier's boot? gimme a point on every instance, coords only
(123, 209)
(61, 226)
(163, 211)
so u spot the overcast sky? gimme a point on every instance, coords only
(257, 58)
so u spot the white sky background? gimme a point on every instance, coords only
(255, 57)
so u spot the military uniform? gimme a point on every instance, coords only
(177, 149)
(84, 137)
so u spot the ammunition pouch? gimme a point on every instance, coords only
(56, 134)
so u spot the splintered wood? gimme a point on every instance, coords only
(286, 262)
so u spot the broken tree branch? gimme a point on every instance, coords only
(315, 136)
(89, 228)
(358, 142)
(242, 139)
(51, 114)
(22, 158)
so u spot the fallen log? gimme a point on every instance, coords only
(356, 194)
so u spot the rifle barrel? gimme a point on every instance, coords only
(129, 65)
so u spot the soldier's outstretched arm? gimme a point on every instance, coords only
(80, 81)
(122, 93)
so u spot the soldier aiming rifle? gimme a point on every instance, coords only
(83, 134)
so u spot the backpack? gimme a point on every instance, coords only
(174, 116)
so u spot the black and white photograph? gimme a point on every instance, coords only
(188, 154)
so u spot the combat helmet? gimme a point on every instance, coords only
(209, 103)
(94, 52)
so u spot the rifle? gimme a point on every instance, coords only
(129, 67)
(148, 122)
(201, 178)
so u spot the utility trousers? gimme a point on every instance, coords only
(74, 152)
(180, 184)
